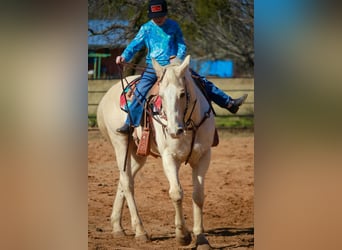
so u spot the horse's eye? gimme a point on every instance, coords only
(182, 95)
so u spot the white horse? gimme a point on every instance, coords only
(184, 133)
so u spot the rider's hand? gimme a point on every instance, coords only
(119, 59)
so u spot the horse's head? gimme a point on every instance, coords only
(173, 91)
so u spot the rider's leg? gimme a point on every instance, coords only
(137, 106)
(220, 97)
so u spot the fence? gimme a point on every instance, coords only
(232, 86)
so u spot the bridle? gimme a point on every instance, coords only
(190, 124)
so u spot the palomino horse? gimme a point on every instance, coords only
(184, 133)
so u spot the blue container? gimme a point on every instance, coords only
(220, 68)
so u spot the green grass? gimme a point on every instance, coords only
(92, 121)
(234, 122)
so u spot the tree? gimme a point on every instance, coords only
(224, 29)
(216, 29)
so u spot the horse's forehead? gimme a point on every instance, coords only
(171, 78)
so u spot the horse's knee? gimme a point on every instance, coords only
(176, 194)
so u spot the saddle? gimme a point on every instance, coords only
(153, 106)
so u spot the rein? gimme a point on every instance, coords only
(191, 125)
(128, 111)
(120, 69)
(145, 69)
(194, 128)
(137, 66)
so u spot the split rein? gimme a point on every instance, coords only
(144, 69)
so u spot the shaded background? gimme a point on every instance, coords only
(297, 125)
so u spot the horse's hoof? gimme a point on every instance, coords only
(184, 240)
(119, 234)
(142, 238)
(202, 243)
(203, 247)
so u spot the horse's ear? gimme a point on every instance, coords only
(157, 67)
(185, 65)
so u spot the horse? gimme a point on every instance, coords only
(184, 133)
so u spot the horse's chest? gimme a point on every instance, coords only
(182, 149)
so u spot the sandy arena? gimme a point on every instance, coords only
(229, 197)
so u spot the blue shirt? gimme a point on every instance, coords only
(161, 41)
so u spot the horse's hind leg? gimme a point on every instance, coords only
(117, 212)
(118, 203)
(198, 175)
(125, 189)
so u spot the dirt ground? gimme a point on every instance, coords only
(229, 200)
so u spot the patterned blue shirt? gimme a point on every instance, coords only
(161, 41)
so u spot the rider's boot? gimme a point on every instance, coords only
(234, 104)
(125, 129)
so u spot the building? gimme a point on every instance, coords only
(104, 44)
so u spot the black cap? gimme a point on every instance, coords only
(157, 8)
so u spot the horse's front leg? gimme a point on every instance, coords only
(171, 169)
(199, 171)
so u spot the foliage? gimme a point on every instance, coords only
(216, 29)
(92, 122)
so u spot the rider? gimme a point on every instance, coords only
(164, 40)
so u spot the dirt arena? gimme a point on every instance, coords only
(229, 200)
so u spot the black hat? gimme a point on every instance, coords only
(157, 8)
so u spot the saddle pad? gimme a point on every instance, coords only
(157, 104)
